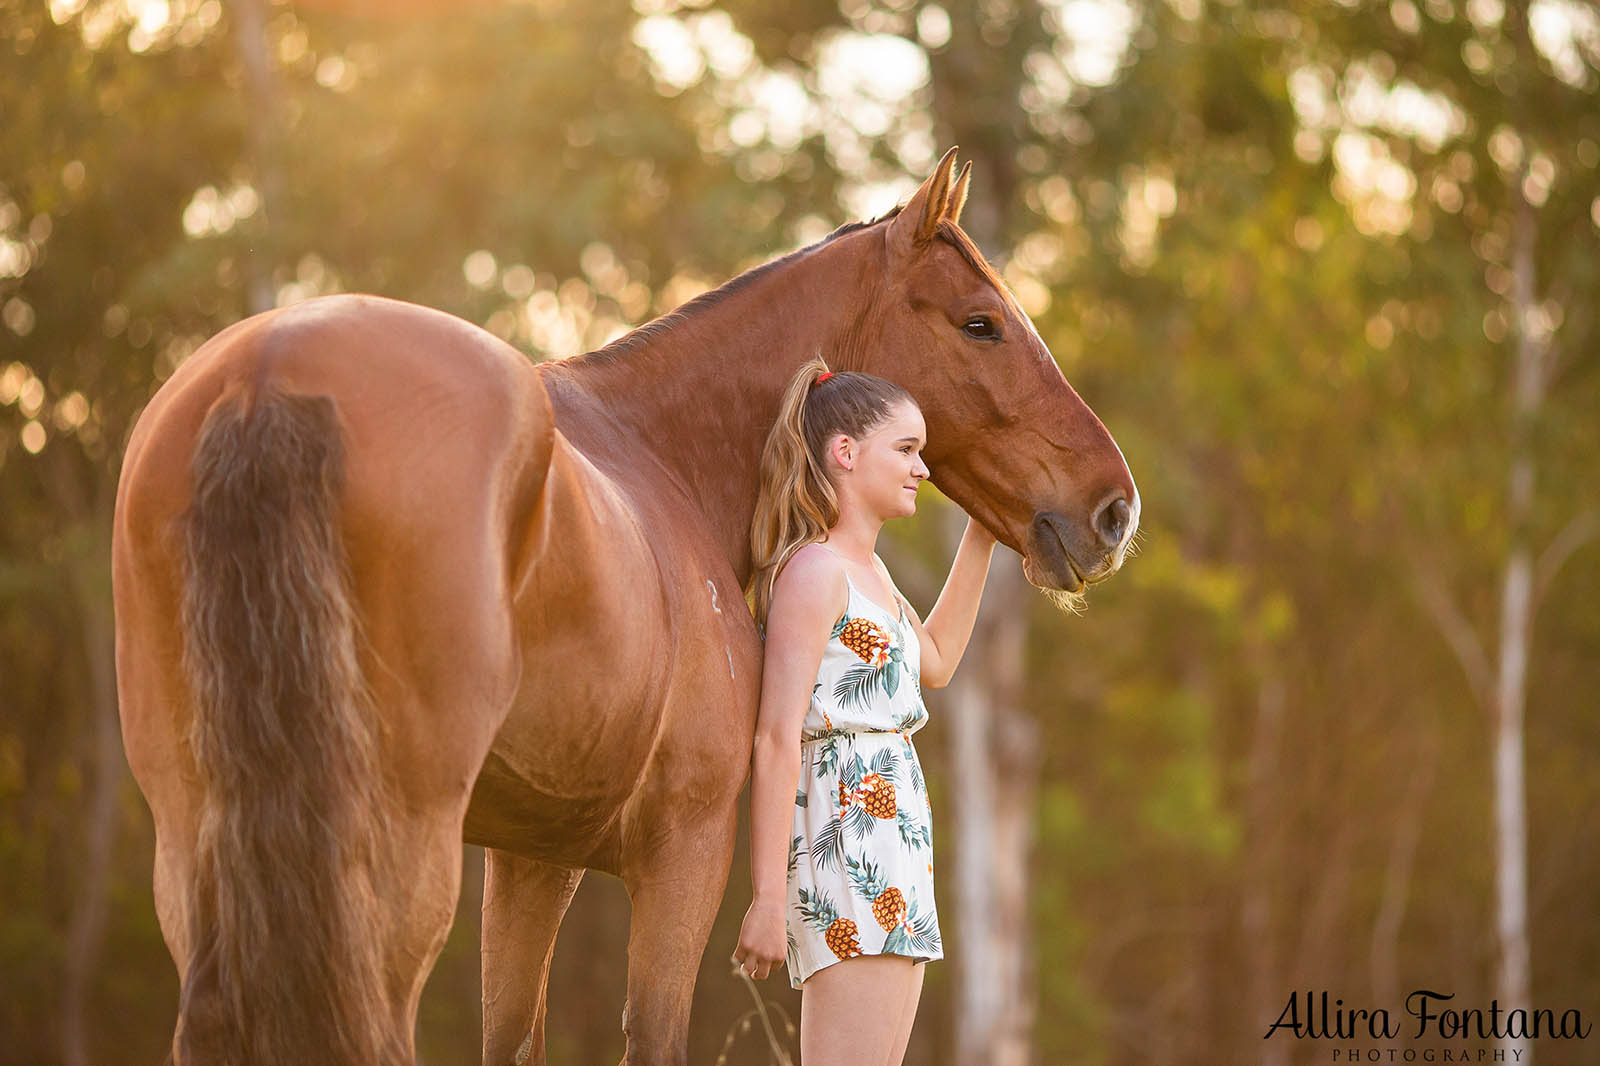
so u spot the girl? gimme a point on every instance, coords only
(835, 782)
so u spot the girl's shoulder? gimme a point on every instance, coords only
(817, 551)
(811, 563)
(814, 571)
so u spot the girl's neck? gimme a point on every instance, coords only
(855, 540)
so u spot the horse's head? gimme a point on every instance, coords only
(1008, 439)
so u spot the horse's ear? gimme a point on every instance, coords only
(913, 226)
(958, 195)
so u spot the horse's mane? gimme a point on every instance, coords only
(641, 335)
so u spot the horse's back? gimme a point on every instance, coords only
(417, 391)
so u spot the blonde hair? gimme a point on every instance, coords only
(797, 504)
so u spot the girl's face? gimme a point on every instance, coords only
(884, 468)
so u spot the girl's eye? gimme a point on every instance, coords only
(979, 328)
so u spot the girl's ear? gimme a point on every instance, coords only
(842, 448)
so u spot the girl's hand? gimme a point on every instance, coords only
(763, 940)
(979, 533)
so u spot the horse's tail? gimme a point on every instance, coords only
(285, 959)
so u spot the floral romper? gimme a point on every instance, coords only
(861, 846)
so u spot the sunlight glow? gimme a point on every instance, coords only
(1349, 112)
(1366, 99)
(777, 101)
(1566, 32)
(30, 397)
(1375, 186)
(71, 412)
(149, 16)
(18, 316)
(933, 26)
(149, 22)
(62, 10)
(868, 75)
(478, 268)
(683, 48)
(870, 87)
(1092, 37)
(16, 258)
(11, 381)
(312, 277)
(334, 72)
(1148, 198)
(211, 211)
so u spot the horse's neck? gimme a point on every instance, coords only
(694, 399)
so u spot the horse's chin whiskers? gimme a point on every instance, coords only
(1070, 602)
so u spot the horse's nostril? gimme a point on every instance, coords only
(1111, 521)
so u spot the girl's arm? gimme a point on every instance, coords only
(808, 596)
(949, 627)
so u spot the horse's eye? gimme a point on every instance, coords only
(979, 328)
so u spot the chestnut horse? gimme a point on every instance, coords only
(384, 584)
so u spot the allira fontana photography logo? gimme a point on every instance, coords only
(1453, 1032)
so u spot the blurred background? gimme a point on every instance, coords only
(1327, 270)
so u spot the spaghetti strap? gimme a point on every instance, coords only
(899, 615)
(900, 608)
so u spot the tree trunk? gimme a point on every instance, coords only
(1510, 804)
(89, 579)
(1383, 958)
(1512, 971)
(1262, 805)
(263, 116)
(994, 757)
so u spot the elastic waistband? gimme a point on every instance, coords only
(851, 733)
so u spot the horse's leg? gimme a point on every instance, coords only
(523, 903)
(425, 854)
(154, 704)
(675, 896)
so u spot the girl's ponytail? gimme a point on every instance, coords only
(797, 504)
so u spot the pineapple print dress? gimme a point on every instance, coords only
(860, 876)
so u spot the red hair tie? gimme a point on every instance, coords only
(824, 376)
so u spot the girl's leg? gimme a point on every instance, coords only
(908, 1015)
(851, 1012)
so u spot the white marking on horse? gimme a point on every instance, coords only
(726, 649)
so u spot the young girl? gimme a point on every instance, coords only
(841, 844)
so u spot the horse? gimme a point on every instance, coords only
(383, 585)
